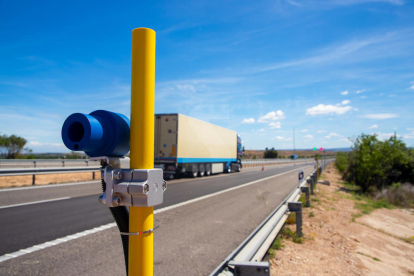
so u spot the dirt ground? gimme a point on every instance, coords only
(380, 243)
(24, 180)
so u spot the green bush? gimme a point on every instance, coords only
(341, 161)
(375, 164)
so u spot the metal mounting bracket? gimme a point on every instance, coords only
(130, 187)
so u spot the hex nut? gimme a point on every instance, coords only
(146, 188)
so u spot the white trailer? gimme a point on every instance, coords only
(185, 145)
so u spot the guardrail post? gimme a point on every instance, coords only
(93, 175)
(306, 191)
(33, 179)
(63, 163)
(34, 164)
(297, 208)
(310, 182)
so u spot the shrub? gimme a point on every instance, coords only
(375, 164)
(397, 194)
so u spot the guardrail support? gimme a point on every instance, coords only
(33, 179)
(306, 191)
(243, 268)
(297, 208)
(310, 183)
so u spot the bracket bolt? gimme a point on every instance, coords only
(146, 188)
(164, 185)
(116, 200)
(117, 175)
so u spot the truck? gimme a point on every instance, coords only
(294, 156)
(188, 146)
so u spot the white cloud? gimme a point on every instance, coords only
(360, 91)
(363, 97)
(275, 125)
(380, 116)
(332, 135)
(248, 121)
(293, 3)
(322, 109)
(271, 116)
(409, 128)
(412, 87)
(344, 93)
(384, 136)
(261, 130)
(186, 88)
(409, 135)
(321, 131)
(374, 126)
(305, 130)
(38, 144)
(345, 102)
(279, 138)
(308, 136)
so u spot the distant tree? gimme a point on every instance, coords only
(73, 155)
(272, 153)
(254, 156)
(11, 146)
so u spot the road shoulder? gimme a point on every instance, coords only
(337, 241)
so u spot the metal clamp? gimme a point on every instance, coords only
(128, 187)
(143, 232)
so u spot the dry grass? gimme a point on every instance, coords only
(398, 195)
(17, 181)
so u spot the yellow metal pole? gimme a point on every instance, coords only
(141, 254)
(317, 167)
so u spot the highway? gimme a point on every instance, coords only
(204, 221)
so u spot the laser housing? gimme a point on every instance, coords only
(100, 133)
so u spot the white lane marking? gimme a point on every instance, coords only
(113, 224)
(33, 202)
(218, 193)
(48, 186)
(55, 242)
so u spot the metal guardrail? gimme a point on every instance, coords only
(247, 258)
(31, 171)
(42, 163)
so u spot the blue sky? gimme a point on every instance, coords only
(331, 70)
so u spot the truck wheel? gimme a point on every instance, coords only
(201, 173)
(207, 173)
(238, 168)
(194, 174)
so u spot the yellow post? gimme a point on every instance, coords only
(317, 167)
(141, 254)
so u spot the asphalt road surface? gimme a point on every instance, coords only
(194, 238)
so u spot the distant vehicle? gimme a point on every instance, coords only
(293, 156)
(187, 146)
